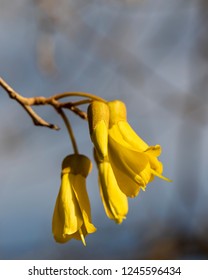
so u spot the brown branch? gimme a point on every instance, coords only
(74, 109)
(27, 103)
(37, 120)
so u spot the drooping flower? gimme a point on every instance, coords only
(114, 200)
(134, 163)
(72, 213)
(125, 162)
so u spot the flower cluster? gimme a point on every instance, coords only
(126, 164)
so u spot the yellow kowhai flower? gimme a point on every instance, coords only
(134, 163)
(114, 200)
(72, 214)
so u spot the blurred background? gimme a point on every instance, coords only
(153, 55)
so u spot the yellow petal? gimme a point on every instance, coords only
(71, 210)
(98, 120)
(80, 192)
(67, 217)
(114, 200)
(128, 185)
(99, 138)
(117, 110)
(77, 235)
(122, 130)
(127, 160)
(131, 168)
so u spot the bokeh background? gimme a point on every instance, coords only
(153, 55)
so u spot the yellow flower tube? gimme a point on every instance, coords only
(72, 213)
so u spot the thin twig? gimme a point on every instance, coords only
(74, 109)
(83, 94)
(37, 120)
(24, 102)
